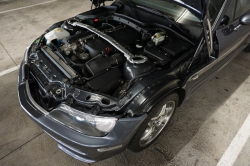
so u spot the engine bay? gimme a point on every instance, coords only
(100, 53)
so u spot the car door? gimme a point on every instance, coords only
(231, 40)
(234, 37)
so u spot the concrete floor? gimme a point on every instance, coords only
(199, 134)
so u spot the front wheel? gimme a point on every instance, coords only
(157, 120)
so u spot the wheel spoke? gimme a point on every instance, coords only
(162, 113)
(163, 110)
(161, 120)
(157, 124)
(169, 110)
(147, 133)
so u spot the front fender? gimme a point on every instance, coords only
(146, 99)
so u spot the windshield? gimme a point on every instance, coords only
(178, 13)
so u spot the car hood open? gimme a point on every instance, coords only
(197, 7)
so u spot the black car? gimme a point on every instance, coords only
(111, 78)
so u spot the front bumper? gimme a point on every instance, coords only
(80, 146)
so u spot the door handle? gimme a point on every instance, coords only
(195, 77)
(237, 27)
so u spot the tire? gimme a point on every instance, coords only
(141, 140)
(247, 49)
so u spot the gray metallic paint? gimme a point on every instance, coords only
(229, 47)
(76, 143)
(140, 100)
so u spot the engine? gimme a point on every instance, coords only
(104, 54)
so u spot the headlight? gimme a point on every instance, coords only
(85, 123)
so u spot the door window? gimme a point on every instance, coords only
(231, 10)
(214, 8)
(237, 8)
(242, 7)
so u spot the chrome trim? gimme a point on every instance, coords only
(238, 27)
(195, 77)
(33, 101)
(142, 59)
(109, 39)
(59, 63)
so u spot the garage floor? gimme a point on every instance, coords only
(213, 126)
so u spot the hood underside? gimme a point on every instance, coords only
(195, 6)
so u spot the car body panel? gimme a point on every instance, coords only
(230, 41)
(146, 99)
(185, 80)
(196, 7)
(80, 146)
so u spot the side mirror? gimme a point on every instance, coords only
(225, 20)
(245, 19)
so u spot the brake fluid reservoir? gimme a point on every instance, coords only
(158, 38)
(58, 34)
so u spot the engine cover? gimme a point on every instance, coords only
(107, 82)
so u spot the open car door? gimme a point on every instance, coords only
(194, 6)
(200, 8)
(207, 27)
(231, 39)
(202, 74)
